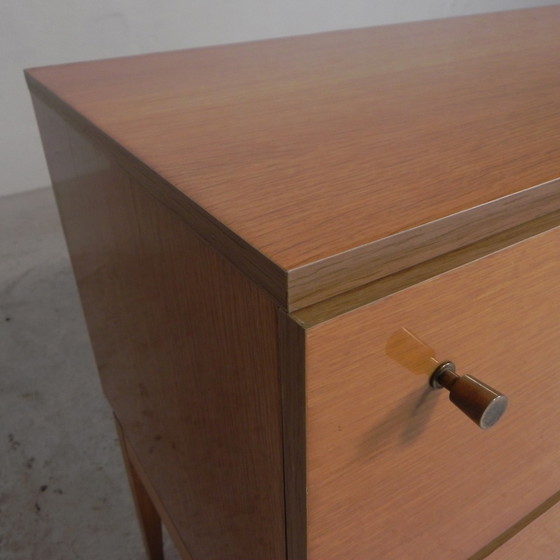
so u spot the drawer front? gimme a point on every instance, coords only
(539, 540)
(394, 470)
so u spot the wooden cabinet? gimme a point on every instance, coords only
(277, 243)
(379, 439)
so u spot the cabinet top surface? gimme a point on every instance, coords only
(307, 148)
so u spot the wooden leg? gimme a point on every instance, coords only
(150, 521)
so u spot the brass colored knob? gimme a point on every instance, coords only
(478, 401)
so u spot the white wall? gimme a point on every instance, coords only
(40, 32)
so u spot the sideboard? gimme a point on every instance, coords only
(291, 252)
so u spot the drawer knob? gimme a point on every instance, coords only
(478, 401)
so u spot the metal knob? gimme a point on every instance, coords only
(478, 401)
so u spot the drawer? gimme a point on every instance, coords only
(394, 470)
(540, 539)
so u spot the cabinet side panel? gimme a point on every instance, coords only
(186, 348)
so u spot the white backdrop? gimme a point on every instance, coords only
(39, 32)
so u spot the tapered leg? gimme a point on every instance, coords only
(150, 521)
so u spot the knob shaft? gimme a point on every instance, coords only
(480, 402)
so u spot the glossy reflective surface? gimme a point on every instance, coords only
(312, 152)
(186, 351)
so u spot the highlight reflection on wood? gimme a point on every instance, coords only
(276, 243)
(186, 351)
(324, 162)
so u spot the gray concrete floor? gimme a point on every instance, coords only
(63, 489)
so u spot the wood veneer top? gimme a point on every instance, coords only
(337, 158)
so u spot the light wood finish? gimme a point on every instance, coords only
(320, 163)
(393, 468)
(186, 350)
(330, 308)
(532, 520)
(398, 252)
(540, 539)
(148, 516)
(276, 243)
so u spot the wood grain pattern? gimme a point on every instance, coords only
(531, 519)
(393, 469)
(348, 301)
(379, 259)
(540, 539)
(186, 350)
(200, 190)
(317, 163)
